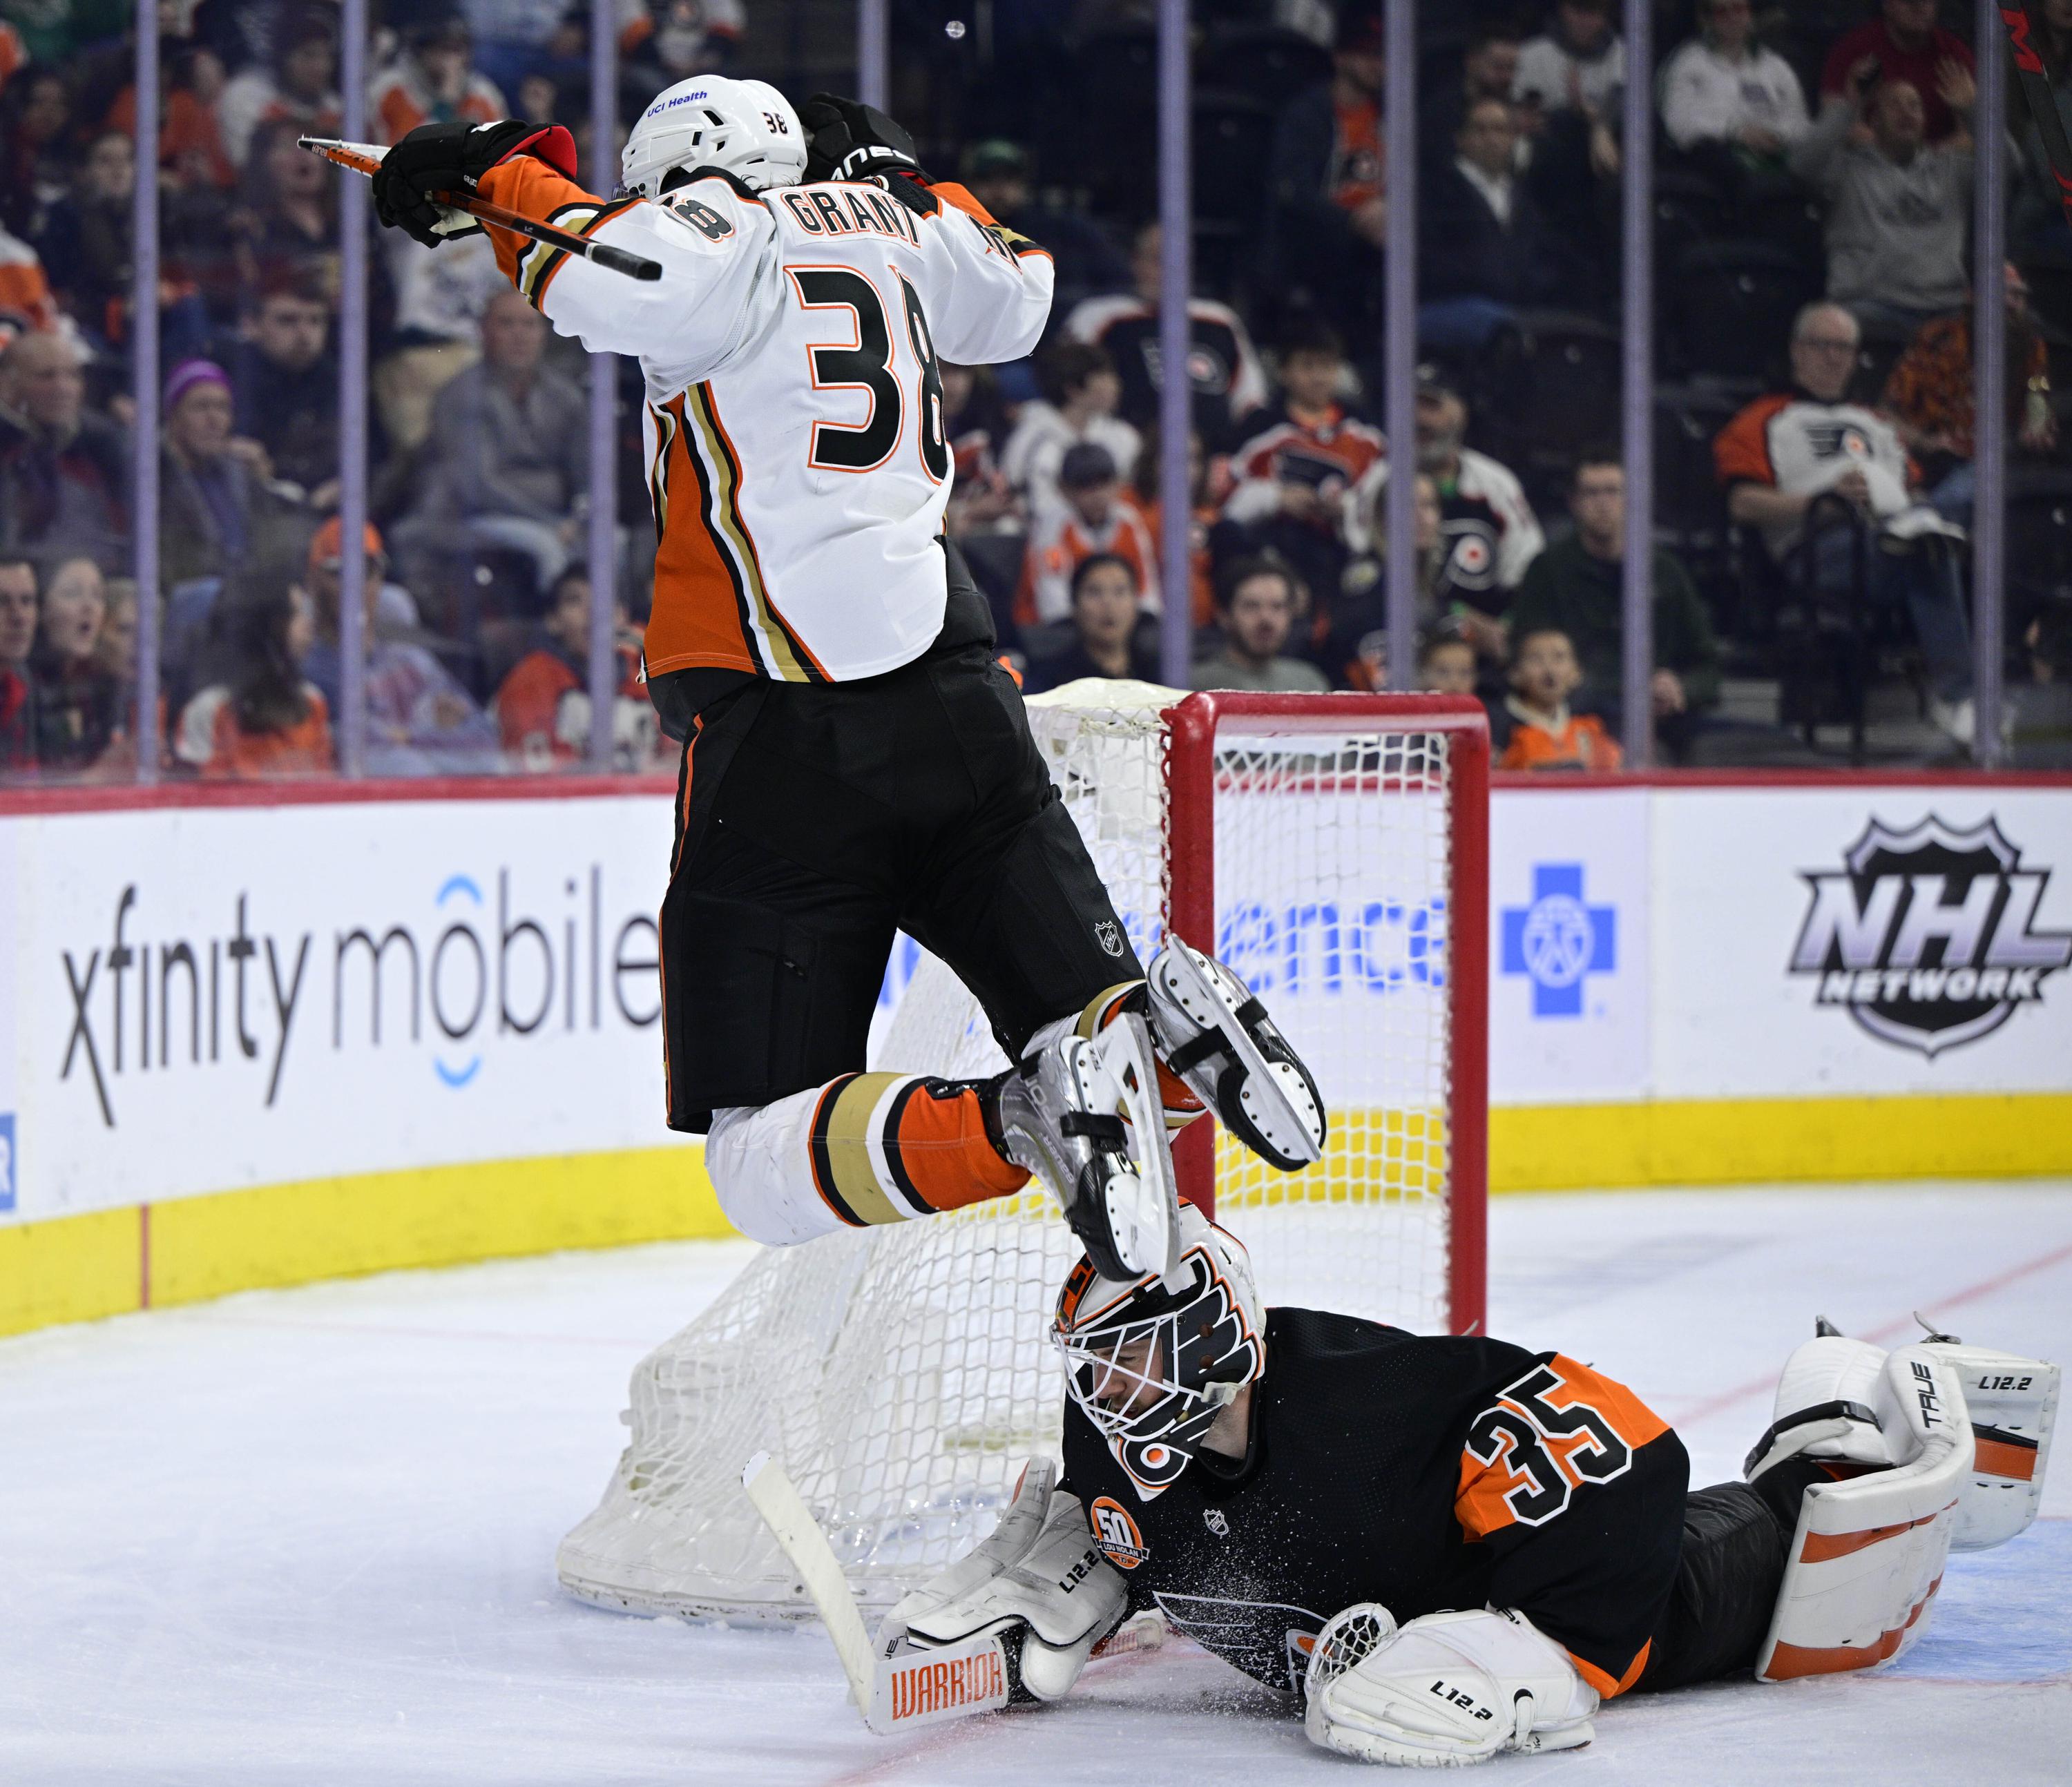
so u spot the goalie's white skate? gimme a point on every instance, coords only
(1068, 1113)
(1216, 1036)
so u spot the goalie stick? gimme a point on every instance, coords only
(916, 1688)
(2020, 19)
(365, 158)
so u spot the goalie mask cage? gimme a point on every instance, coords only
(1332, 850)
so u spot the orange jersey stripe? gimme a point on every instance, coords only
(939, 1148)
(698, 618)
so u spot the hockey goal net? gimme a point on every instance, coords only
(1332, 850)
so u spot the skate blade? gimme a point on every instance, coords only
(1192, 984)
(1120, 1072)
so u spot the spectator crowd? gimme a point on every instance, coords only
(1814, 237)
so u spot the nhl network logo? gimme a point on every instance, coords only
(1926, 935)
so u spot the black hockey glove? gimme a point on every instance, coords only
(440, 158)
(847, 140)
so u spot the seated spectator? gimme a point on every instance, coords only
(1906, 44)
(285, 380)
(263, 718)
(686, 38)
(26, 301)
(1578, 63)
(1785, 452)
(1723, 87)
(1293, 474)
(1542, 733)
(1258, 613)
(395, 613)
(509, 451)
(296, 85)
(87, 238)
(63, 470)
(286, 223)
(216, 505)
(1329, 191)
(1489, 70)
(1488, 533)
(1576, 587)
(78, 702)
(2040, 707)
(1203, 481)
(1354, 651)
(1106, 640)
(1930, 395)
(1483, 249)
(18, 640)
(434, 80)
(1092, 521)
(996, 173)
(1899, 209)
(543, 711)
(981, 500)
(1228, 382)
(1080, 391)
(419, 721)
(1446, 665)
(35, 147)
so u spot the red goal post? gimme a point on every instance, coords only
(1191, 772)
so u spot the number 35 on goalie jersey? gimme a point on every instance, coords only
(1576, 1487)
(792, 352)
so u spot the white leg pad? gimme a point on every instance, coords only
(2013, 1405)
(1829, 1403)
(761, 1160)
(1868, 1555)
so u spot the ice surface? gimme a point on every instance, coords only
(307, 1536)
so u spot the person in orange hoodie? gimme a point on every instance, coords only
(1545, 735)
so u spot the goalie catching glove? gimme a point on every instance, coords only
(1443, 1691)
(1038, 1584)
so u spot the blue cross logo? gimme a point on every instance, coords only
(1558, 940)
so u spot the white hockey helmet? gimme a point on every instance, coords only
(746, 127)
(1153, 1362)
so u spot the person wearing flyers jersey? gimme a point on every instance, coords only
(1440, 1547)
(855, 758)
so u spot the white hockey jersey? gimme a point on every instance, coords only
(796, 457)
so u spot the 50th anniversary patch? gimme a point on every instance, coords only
(1928, 936)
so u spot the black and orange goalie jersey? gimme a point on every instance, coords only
(1423, 1473)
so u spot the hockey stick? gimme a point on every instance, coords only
(365, 158)
(897, 1693)
(2020, 19)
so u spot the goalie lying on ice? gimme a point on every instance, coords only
(1443, 1548)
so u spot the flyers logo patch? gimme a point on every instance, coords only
(1116, 1533)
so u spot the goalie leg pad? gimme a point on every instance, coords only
(1444, 1691)
(1216, 1036)
(2013, 1406)
(1828, 1404)
(1868, 1555)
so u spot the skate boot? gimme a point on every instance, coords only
(1061, 1113)
(1213, 1032)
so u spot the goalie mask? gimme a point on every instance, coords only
(1151, 1366)
(745, 128)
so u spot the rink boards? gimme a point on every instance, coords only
(261, 1043)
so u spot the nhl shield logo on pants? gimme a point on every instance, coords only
(1108, 935)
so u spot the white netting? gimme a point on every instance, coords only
(901, 1373)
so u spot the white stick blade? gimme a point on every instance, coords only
(925, 1687)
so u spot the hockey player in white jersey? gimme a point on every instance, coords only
(856, 760)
